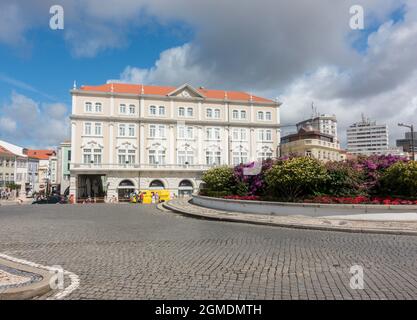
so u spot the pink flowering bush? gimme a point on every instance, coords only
(386, 180)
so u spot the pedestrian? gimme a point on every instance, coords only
(141, 196)
(156, 197)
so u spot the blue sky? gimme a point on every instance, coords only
(300, 52)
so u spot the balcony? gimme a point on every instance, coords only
(138, 167)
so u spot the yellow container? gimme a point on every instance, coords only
(164, 195)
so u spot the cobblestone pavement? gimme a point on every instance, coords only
(132, 252)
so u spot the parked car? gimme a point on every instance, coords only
(51, 200)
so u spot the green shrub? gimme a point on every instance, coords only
(343, 180)
(295, 178)
(219, 179)
(400, 180)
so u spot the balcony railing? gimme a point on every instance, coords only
(139, 167)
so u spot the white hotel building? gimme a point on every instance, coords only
(128, 138)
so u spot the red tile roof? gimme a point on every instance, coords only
(6, 152)
(41, 154)
(163, 91)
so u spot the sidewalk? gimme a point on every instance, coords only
(399, 227)
(16, 202)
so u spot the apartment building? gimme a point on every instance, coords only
(44, 171)
(63, 168)
(324, 123)
(7, 167)
(367, 138)
(310, 142)
(127, 138)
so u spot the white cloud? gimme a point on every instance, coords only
(7, 124)
(33, 123)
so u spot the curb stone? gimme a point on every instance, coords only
(258, 221)
(30, 290)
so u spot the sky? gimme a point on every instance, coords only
(299, 51)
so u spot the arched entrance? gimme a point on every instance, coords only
(185, 188)
(124, 190)
(156, 185)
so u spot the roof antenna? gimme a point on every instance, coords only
(75, 85)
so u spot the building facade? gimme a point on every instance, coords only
(367, 138)
(126, 138)
(324, 123)
(20, 174)
(7, 167)
(44, 171)
(312, 143)
(64, 160)
(407, 143)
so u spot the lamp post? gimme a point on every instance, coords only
(411, 127)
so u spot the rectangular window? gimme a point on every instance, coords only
(131, 130)
(97, 129)
(157, 157)
(152, 131)
(235, 134)
(122, 156)
(181, 112)
(122, 109)
(132, 109)
(185, 157)
(152, 110)
(209, 113)
(213, 158)
(260, 115)
(235, 114)
(268, 135)
(242, 114)
(98, 107)
(190, 112)
(268, 116)
(217, 133)
(87, 128)
(87, 156)
(88, 107)
(217, 113)
(161, 130)
(122, 130)
(161, 110)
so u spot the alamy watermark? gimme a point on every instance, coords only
(356, 280)
(57, 279)
(357, 20)
(57, 20)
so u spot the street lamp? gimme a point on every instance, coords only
(411, 127)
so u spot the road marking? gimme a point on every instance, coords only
(75, 280)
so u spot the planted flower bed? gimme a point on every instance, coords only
(387, 180)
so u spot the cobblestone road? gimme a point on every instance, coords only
(130, 252)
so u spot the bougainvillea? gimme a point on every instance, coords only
(389, 180)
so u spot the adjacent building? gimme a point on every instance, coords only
(127, 138)
(324, 123)
(44, 172)
(311, 142)
(406, 144)
(7, 167)
(63, 170)
(367, 138)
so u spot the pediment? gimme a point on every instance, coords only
(186, 91)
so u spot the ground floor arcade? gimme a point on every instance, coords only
(107, 186)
